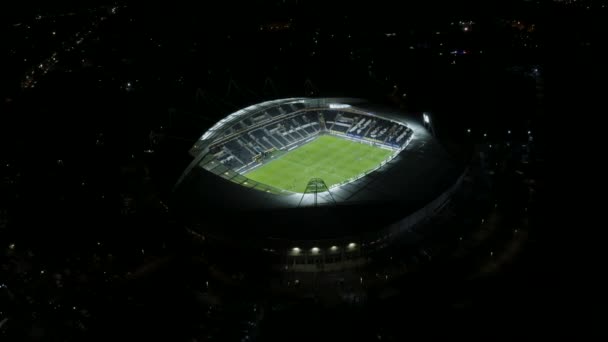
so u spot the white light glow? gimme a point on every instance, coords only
(338, 105)
(352, 245)
(315, 250)
(334, 248)
(426, 118)
(295, 250)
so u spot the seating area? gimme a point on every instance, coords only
(398, 135)
(286, 126)
(340, 122)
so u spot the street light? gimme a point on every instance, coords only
(426, 118)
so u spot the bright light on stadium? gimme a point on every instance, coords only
(295, 250)
(338, 105)
(356, 133)
(333, 248)
(315, 250)
(352, 245)
(426, 118)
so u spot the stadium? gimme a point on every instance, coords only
(315, 182)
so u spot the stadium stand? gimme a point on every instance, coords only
(288, 125)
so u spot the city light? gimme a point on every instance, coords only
(295, 250)
(426, 118)
(352, 245)
(315, 250)
(333, 248)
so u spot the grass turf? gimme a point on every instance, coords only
(330, 158)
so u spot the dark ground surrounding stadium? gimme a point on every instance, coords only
(100, 212)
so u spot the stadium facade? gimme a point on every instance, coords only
(327, 227)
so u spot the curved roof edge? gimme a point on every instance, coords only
(226, 122)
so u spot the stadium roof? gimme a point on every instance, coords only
(415, 177)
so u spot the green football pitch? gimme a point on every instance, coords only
(330, 158)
